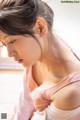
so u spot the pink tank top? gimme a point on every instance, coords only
(42, 97)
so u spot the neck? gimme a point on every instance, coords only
(60, 59)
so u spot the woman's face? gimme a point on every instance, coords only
(24, 49)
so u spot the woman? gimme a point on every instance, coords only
(53, 71)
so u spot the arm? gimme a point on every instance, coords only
(66, 104)
(68, 98)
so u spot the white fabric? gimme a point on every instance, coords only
(53, 113)
(39, 115)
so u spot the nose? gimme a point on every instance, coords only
(11, 50)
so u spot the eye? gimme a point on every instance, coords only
(11, 42)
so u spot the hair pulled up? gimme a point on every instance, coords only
(17, 17)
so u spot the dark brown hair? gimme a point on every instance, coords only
(17, 17)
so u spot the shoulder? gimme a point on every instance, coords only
(68, 98)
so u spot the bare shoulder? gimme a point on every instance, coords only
(68, 97)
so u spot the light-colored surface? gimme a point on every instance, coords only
(67, 21)
(11, 83)
(9, 63)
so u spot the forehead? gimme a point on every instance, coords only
(3, 35)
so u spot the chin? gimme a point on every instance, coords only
(26, 65)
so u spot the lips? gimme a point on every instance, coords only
(20, 60)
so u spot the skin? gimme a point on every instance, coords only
(48, 70)
(20, 53)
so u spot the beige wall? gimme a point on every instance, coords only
(10, 87)
(11, 84)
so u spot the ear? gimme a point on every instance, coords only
(41, 26)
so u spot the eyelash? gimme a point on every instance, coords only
(3, 44)
(12, 42)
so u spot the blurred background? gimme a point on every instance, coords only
(66, 24)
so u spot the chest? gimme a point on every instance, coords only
(44, 77)
(46, 86)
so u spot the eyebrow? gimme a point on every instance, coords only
(5, 36)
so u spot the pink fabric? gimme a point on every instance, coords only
(76, 117)
(42, 98)
(25, 105)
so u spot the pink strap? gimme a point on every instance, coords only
(75, 77)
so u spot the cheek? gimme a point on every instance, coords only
(29, 49)
(31, 52)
